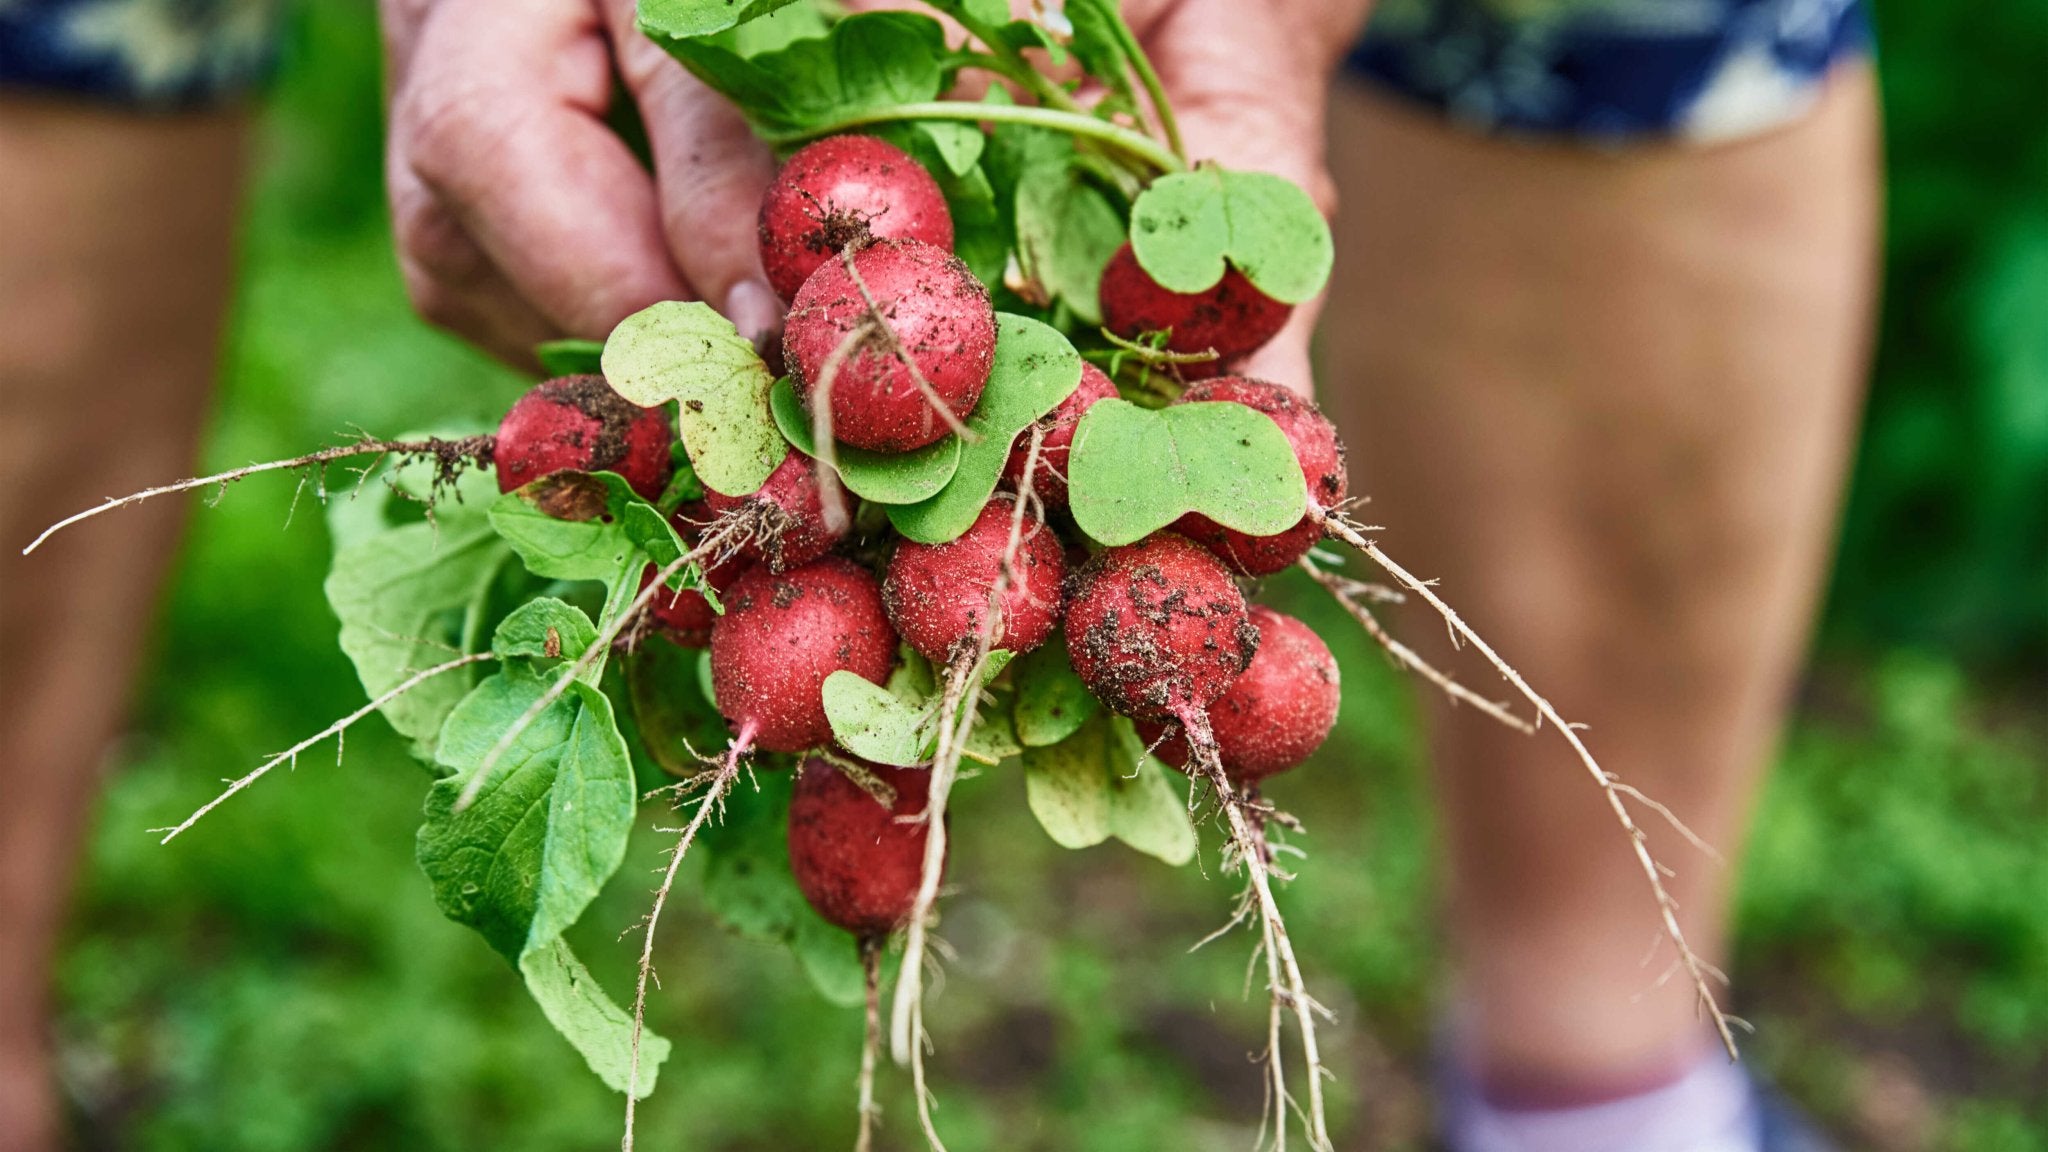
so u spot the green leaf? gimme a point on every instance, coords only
(670, 705)
(1067, 786)
(573, 1001)
(749, 889)
(1097, 45)
(1188, 224)
(883, 477)
(687, 19)
(543, 835)
(1228, 462)
(867, 62)
(570, 357)
(407, 598)
(958, 145)
(544, 629)
(688, 353)
(567, 526)
(549, 827)
(1035, 368)
(651, 532)
(1145, 811)
(1099, 783)
(1052, 703)
(992, 13)
(874, 725)
(898, 725)
(1066, 232)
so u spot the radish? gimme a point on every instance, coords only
(1230, 319)
(1316, 448)
(794, 529)
(686, 617)
(1157, 630)
(782, 634)
(857, 860)
(842, 192)
(1049, 482)
(897, 339)
(938, 594)
(1275, 715)
(578, 423)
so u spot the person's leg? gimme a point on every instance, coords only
(115, 269)
(1607, 398)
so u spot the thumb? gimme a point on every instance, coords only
(709, 173)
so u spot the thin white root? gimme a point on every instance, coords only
(335, 729)
(473, 448)
(721, 781)
(1283, 971)
(871, 1042)
(908, 1041)
(831, 493)
(1702, 974)
(1347, 592)
(724, 536)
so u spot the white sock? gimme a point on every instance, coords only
(1711, 1108)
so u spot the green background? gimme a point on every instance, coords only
(280, 979)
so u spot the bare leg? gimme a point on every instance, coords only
(1608, 399)
(115, 269)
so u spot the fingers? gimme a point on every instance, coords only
(710, 172)
(518, 210)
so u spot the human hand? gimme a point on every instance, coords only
(520, 215)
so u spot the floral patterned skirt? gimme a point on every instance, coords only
(1612, 71)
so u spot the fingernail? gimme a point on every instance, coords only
(754, 310)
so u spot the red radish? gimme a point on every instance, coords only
(782, 634)
(1050, 480)
(938, 594)
(1157, 629)
(578, 423)
(686, 617)
(1231, 318)
(1276, 714)
(857, 861)
(794, 529)
(840, 192)
(928, 311)
(1316, 448)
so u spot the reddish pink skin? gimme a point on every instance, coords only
(578, 423)
(1316, 448)
(941, 316)
(841, 190)
(858, 863)
(937, 594)
(686, 617)
(1233, 318)
(782, 634)
(1157, 628)
(1050, 480)
(792, 489)
(1275, 715)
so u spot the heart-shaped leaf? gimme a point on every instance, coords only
(1187, 225)
(688, 353)
(1100, 783)
(1051, 700)
(1133, 471)
(883, 477)
(899, 725)
(1035, 368)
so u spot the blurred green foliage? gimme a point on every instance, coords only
(279, 979)
(1946, 537)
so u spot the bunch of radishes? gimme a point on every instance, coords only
(893, 338)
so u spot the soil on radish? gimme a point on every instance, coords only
(577, 423)
(857, 860)
(1157, 627)
(782, 634)
(844, 191)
